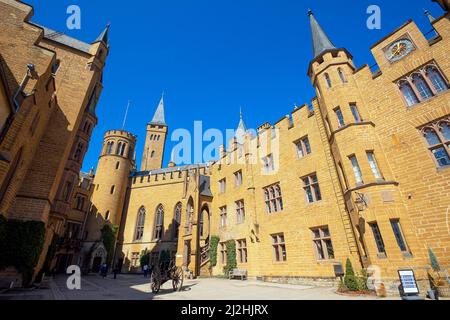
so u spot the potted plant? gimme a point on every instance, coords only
(440, 283)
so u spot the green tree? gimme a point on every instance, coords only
(231, 257)
(434, 261)
(350, 280)
(109, 234)
(213, 250)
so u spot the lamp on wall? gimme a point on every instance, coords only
(360, 201)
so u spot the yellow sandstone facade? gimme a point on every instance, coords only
(362, 174)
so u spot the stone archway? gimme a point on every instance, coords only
(98, 257)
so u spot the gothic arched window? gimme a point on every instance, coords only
(119, 148)
(327, 79)
(408, 93)
(140, 222)
(342, 75)
(159, 223)
(421, 85)
(438, 139)
(177, 220)
(122, 150)
(436, 79)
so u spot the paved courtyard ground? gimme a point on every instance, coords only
(135, 287)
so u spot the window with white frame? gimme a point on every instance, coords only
(356, 169)
(240, 211)
(223, 217)
(273, 198)
(279, 248)
(312, 188)
(437, 135)
(303, 147)
(322, 243)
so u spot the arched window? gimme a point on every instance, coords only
(117, 165)
(151, 137)
(111, 148)
(421, 85)
(444, 128)
(177, 220)
(152, 154)
(408, 93)
(436, 79)
(113, 188)
(140, 222)
(159, 223)
(328, 80)
(189, 216)
(122, 151)
(78, 151)
(438, 139)
(119, 148)
(342, 75)
(107, 215)
(201, 223)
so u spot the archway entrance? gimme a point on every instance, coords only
(96, 264)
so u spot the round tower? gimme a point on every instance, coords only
(111, 180)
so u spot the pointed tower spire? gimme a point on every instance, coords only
(103, 37)
(320, 40)
(429, 16)
(158, 117)
(241, 129)
(241, 125)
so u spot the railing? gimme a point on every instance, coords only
(204, 255)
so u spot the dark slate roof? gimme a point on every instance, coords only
(158, 117)
(320, 40)
(104, 35)
(64, 39)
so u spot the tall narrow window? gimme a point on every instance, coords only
(378, 238)
(436, 79)
(355, 113)
(303, 147)
(374, 165)
(107, 215)
(340, 117)
(238, 178)
(408, 93)
(312, 189)
(122, 150)
(342, 75)
(322, 243)
(119, 148)
(201, 225)
(421, 85)
(328, 80)
(223, 253)
(223, 217)
(242, 251)
(159, 223)
(356, 169)
(268, 164)
(437, 136)
(223, 185)
(279, 248)
(177, 220)
(399, 235)
(140, 222)
(240, 211)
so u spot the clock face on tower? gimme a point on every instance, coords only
(399, 49)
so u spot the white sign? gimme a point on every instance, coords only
(408, 281)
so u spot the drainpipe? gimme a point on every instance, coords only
(31, 73)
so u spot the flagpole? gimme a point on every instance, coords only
(126, 115)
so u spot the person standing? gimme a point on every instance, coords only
(145, 270)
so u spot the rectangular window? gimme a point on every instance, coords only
(279, 248)
(340, 117)
(312, 189)
(223, 185)
(399, 235)
(303, 147)
(223, 217)
(238, 178)
(135, 259)
(273, 198)
(223, 253)
(374, 165)
(242, 251)
(378, 238)
(240, 211)
(268, 164)
(356, 169)
(355, 113)
(322, 243)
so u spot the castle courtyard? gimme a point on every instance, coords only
(136, 287)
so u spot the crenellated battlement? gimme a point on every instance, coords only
(166, 175)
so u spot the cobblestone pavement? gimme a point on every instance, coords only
(136, 287)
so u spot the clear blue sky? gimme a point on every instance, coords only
(213, 56)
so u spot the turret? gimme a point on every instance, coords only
(112, 177)
(155, 140)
